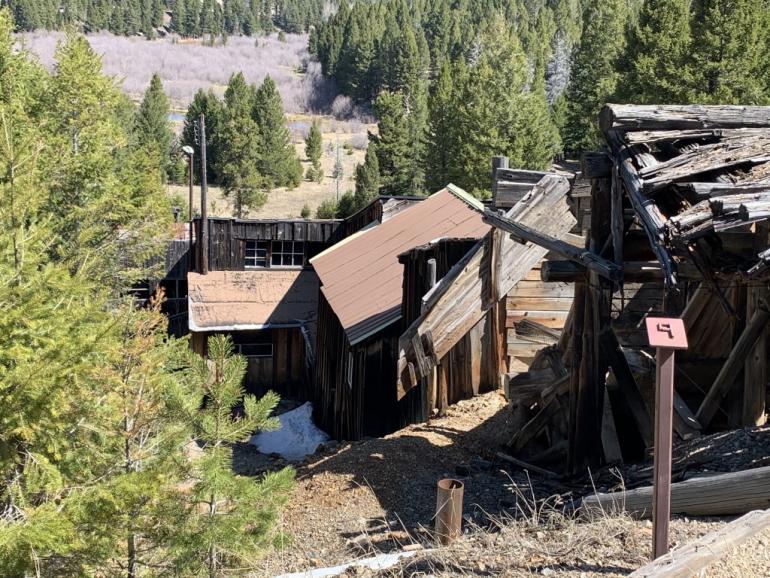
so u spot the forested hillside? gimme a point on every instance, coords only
(188, 17)
(454, 83)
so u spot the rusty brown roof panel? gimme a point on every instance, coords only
(242, 300)
(362, 277)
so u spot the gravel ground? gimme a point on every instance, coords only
(355, 500)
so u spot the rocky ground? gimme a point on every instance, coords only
(355, 500)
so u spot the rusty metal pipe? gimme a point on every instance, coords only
(449, 510)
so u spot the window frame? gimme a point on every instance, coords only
(240, 346)
(256, 258)
(296, 251)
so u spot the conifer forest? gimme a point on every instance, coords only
(117, 440)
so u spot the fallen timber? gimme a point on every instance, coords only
(688, 186)
(690, 559)
(715, 495)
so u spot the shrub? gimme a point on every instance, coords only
(342, 107)
(326, 210)
(305, 213)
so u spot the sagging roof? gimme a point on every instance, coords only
(248, 300)
(361, 277)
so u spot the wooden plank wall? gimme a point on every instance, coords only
(226, 237)
(283, 373)
(473, 365)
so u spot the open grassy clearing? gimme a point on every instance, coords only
(284, 203)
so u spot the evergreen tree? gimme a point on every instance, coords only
(99, 184)
(208, 104)
(313, 150)
(594, 72)
(392, 143)
(226, 523)
(657, 58)
(730, 41)
(278, 162)
(367, 179)
(239, 148)
(440, 136)
(179, 17)
(152, 127)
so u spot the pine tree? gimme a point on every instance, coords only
(227, 522)
(392, 143)
(239, 148)
(179, 17)
(313, 150)
(657, 57)
(367, 179)
(728, 54)
(594, 75)
(99, 183)
(440, 136)
(208, 104)
(278, 161)
(152, 127)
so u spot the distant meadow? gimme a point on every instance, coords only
(188, 65)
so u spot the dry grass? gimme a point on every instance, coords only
(284, 203)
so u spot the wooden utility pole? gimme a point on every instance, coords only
(204, 240)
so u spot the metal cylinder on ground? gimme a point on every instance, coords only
(449, 510)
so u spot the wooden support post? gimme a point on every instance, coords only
(755, 368)
(499, 162)
(734, 364)
(664, 421)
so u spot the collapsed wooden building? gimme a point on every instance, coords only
(680, 201)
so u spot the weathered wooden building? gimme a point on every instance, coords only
(678, 227)
(361, 316)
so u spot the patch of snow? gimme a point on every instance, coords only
(296, 438)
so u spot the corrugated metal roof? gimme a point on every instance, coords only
(243, 300)
(362, 278)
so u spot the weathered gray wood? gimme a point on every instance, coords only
(634, 117)
(489, 271)
(570, 272)
(691, 558)
(720, 495)
(708, 158)
(521, 231)
(708, 190)
(652, 220)
(526, 466)
(610, 442)
(519, 175)
(596, 165)
(662, 136)
(725, 380)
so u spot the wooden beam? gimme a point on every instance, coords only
(652, 220)
(585, 258)
(634, 117)
(628, 386)
(596, 165)
(488, 272)
(716, 495)
(755, 367)
(732, 367)
(519, 175)
(535, 426)
(552, 271)
(690, 559)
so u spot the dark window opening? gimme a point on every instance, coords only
(256, 349)
(287, 254)
(256, 254)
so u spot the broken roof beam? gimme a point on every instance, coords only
(636, 117)
(703, 191)
(587, 259)
(652, 220)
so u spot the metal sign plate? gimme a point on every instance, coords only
(666, 332)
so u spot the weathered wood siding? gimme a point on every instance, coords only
(284, 372)
(227, 238)
(365, 404)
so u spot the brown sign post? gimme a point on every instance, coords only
(667, 335)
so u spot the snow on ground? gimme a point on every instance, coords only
(297, 437)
